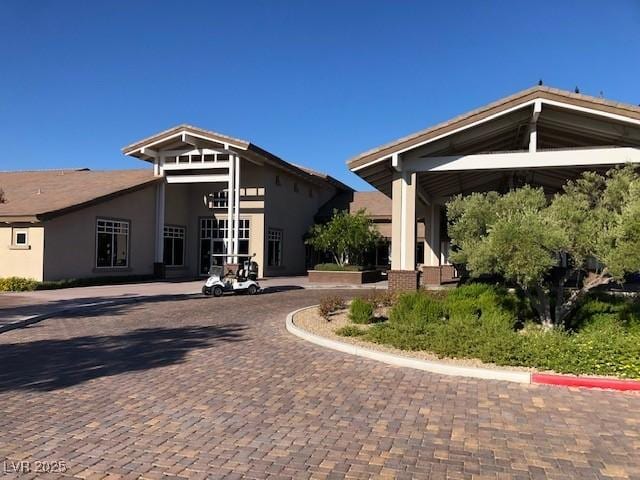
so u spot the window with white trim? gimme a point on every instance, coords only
(274, 247)
(213, 241)
(220, 199)
(112, 243)
(20, 237)
(174, 246)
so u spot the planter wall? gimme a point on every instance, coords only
(344, 278)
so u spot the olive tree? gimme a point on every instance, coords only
(347, 237)
(585, 236)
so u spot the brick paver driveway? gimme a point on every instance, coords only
(217, 387)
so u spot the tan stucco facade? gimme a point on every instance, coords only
(22, 261)
(70, 243)
(290, 207)
(64, 246)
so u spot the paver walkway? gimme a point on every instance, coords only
(17, 306)
(209, 388)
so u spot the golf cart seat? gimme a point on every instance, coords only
(217, 270)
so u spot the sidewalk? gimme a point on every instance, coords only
(18, 306)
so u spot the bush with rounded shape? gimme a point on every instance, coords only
(17, 284)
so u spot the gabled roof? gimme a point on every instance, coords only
(244, 147)
(167, 134)
(505, 104)
(35, 195)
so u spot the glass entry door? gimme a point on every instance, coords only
(213, 242)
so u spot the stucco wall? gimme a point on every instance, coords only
(293, 213)
(177, 211)
(22, 262)
(70, 241)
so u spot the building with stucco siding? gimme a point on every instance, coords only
(204, 198)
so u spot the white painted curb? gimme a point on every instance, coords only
(400, 361)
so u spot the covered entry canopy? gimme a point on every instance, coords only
(540, 136)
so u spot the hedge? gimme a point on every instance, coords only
(19, 284)
(490, 324)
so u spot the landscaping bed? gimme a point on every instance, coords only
(485, 325)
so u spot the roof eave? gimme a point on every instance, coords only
(138, 146)
(462, 121)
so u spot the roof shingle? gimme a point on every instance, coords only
(34, 193)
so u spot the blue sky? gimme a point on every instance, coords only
(313, 82)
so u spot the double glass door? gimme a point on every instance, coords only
(213, 242)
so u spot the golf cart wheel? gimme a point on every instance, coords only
(217, 291)
(252, 290)
(206, 291)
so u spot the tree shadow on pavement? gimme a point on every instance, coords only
(82, 307)
(46, 365)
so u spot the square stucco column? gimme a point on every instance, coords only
(432, 268)
(158, 264)
(403, 274)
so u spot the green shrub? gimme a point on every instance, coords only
(92, 281)
(334, 267)
(360, 311)
(350, 331)
(17, 284)
(486, 322)
(329, 305)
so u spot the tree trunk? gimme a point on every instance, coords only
(564, 308)
(541, 304)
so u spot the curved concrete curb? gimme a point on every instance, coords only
(400, 361)
(586, 382)
(459, 371)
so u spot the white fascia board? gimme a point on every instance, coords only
(520, 160)
(540, 101)
(196, 165)
(182, 132)
(453, 132)
(591, 111)
(198, 151)
(197, 178)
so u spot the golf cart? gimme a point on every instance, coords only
(243, 281)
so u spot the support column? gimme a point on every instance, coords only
(533, 127)
(236, 212)
(432, 268)
(230, 202)
(403, 274)
(158, 265)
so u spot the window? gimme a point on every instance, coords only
(174, 246)
(20, 237)
(112, 243)
(295, 187)
(220, 199)
(213, 241)
(278, 180)
(243, 237)
(274, 246)
(310, 192)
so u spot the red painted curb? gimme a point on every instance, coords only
(588, 382)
